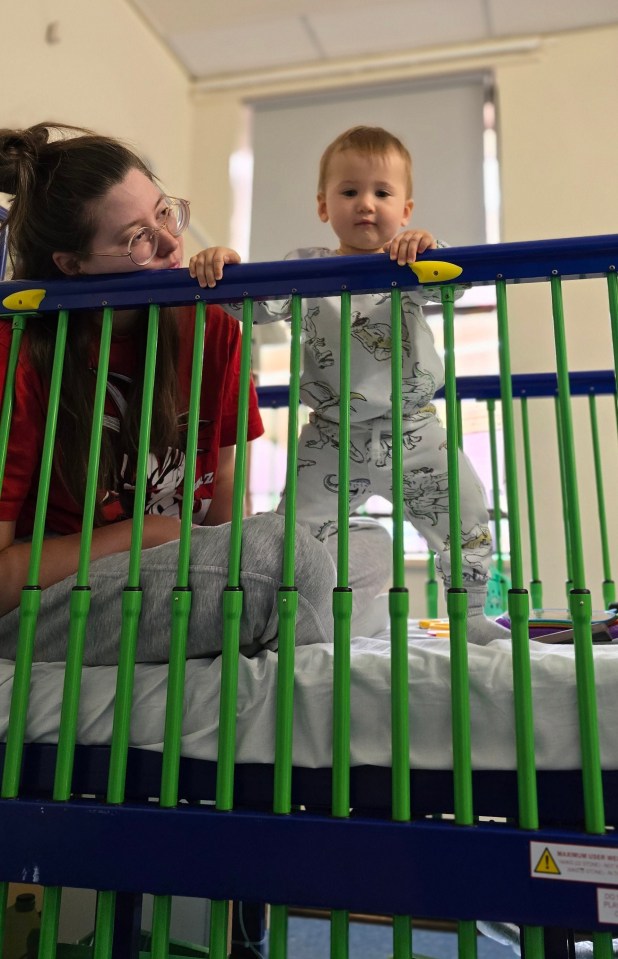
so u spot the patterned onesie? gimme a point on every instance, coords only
(425, 479)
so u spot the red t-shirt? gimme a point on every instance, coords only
(217, 428)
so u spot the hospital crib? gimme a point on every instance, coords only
(518, 830)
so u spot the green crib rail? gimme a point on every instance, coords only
(287, 608)
(517, 600)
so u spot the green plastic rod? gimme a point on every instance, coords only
(536, 586)
(495, 484)
(18, 327)
(104, 924)
(612, 291)
(278, 932)
(580, 602)
(181, 594)
(80, 594)
(50, 915)
(218, 929)
(232, 596)
(180, 613)
(466, 940)
(287, 609)
(457, 596)
(402, 937)
(78, 615)
(31, 594)
(339, 934)
(132, 594)
(342, 596)
(398, 608)
(564, 499)
(608, 585)
(398, 595)
(232, 611)
(342, 614)
(288, 596)
(518, 596)
(431, 587)
(460, 430)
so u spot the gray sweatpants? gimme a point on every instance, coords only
(262, 550)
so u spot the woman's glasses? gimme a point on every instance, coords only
(173, 217)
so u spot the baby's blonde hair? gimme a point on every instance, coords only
(368, 141)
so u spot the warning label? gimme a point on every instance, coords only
(607, 905)
(573, 863)
(546, 864)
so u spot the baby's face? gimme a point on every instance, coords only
(365, 200)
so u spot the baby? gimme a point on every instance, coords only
(365, 193)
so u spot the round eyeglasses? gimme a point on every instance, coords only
(142, 247)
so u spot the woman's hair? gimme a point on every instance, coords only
(368, 141)
(56, 173)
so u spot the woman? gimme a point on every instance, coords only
(86, 204)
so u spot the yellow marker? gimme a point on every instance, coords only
(24, 300)
(432, 623)
(435, 271)
(439, 633)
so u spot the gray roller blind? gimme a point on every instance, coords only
(441, 123)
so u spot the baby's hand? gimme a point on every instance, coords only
(405, 246)
(207, 266)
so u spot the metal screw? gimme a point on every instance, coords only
(499, 276)
(613, 268)
(294, 290)
(197, 297)
(104, 303)
(554, 272)
(344, 287)
(394, 283)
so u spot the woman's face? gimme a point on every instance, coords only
(134, 203)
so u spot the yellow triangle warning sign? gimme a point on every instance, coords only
(547, 864)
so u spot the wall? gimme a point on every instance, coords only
(106, 72)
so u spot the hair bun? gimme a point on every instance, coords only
(19, 154)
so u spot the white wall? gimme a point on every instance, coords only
(106, 72)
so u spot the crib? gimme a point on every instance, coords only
(425, 790)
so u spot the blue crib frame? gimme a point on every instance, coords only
(364, 864)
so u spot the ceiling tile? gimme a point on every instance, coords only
(245, 46)
(243, 35)
(200, 15)
(388, 25)
(531, 16)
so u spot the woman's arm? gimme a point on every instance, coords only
(60, 554)
(220, 510)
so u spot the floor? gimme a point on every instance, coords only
(310, 939)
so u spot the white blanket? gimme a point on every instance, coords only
(491, 697)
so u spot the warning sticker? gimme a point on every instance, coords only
(546, 864)
(607, 905)
(574, 863)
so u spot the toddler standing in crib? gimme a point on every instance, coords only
(365, 193)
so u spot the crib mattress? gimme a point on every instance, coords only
(491, 702)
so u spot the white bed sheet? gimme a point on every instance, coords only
(491, 695)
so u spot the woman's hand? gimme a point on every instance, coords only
(207, 266)
(405, 246)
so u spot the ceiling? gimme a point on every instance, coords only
(212, 40)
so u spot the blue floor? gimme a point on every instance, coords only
(310, 939)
